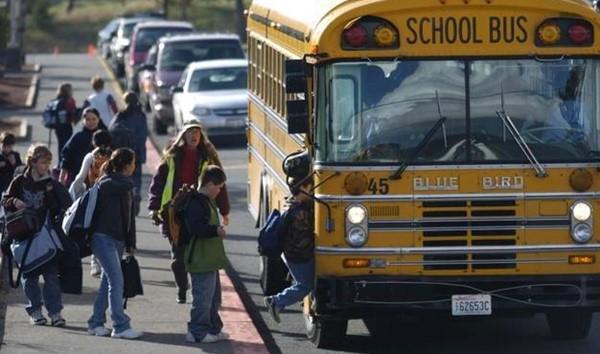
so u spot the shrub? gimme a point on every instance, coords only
(40, 16)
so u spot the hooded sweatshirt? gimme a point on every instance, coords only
(114, 215)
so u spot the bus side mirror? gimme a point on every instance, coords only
(295, 76)
(297, 116)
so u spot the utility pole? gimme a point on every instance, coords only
(14, 49)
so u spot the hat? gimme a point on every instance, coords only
(90, 109)
(187, 125)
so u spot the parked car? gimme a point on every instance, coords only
(120, 43)
(144, 36)
(173, 55)
(213, 92)
(105, 36)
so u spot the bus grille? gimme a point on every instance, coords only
(469, 223)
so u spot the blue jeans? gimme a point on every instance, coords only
(108, 253)
(51, 292)
(303, 274)
(206, 293)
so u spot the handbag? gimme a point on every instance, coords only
(132, 279)
(22, 224)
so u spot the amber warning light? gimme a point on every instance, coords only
(564, 32)
(369, 32)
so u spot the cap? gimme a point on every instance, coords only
(90, 109)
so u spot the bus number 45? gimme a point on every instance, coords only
(380, 186)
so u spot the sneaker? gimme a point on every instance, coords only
(208, 338)
(272, 308)
(57, 320)
(127, 334)
(181, 298)
(222, 335)
(37, 319)
(99, 331)
(95, 270)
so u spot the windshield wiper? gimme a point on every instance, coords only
(398, 174)
(512, 129)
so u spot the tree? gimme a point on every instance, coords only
(240, 19)
(70, 6)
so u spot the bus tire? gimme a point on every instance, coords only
(325, 333)
(574, 324)
(273, 275)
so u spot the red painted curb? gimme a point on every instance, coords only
(244, 336)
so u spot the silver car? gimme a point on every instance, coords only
(214, 93)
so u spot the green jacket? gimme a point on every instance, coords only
(205, 252)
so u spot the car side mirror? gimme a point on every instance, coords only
(176, 89)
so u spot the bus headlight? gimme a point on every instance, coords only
(356, 214)
(581, 233)
(356, 237)
(581, 211)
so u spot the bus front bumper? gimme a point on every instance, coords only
(357, 297)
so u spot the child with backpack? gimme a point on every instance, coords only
(204, 256)
(9, 160)
(298, 248)
(36, 190)
(60, 114)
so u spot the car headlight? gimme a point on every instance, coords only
(581, 211)
(356, 214)
(356, 237)
(200, 111)
(582, 233)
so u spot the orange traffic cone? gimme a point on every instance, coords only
(56, 50)
(91, 50)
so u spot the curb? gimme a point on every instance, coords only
(33, 88)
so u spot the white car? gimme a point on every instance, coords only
(214, 93)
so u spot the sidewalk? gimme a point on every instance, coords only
(156, 313)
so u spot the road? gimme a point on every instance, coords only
(441, 335)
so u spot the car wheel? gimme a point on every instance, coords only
(160, 128)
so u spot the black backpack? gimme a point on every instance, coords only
(132, 279)
(51, 114)
(121, 136)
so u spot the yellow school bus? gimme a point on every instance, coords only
(455, 146)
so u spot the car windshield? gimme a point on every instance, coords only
(218, 79)
(128, 29)
(378, 112)
(146, 37)
(176, 56)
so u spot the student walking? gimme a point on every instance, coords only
(103, 102)
(9, 160)
(67, 113)
(90, 167)
(204, 256)
(78, 146)
(298, 249)
(114, 233)
(132, 122)
(184, 162)
(35, 189)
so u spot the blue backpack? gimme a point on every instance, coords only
(270, 242)
(78, 220)
(51, 114)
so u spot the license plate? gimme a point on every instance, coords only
(471, 305)
(235, 123)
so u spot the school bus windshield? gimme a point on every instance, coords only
(379, 111)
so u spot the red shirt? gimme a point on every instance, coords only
(188, 173)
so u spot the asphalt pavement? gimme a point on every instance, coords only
(164, 321)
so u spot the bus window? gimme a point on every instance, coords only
(343, 108)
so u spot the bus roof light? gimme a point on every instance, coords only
(549, 33)
(356, 36)
(385, 36)
(579, 34)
